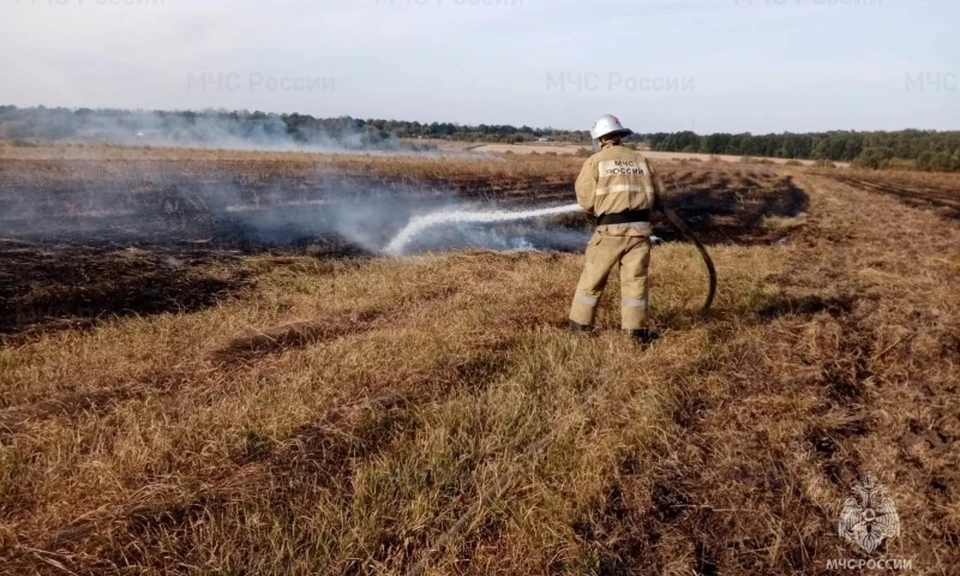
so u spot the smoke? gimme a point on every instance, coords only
(408, 221)
(241, 130)
(336, 215)
(143, 202)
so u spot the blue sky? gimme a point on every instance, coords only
(662, 65)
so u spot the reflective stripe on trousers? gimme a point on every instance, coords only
(604, 252)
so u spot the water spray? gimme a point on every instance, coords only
(441, 217)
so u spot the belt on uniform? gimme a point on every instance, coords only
(625, 217)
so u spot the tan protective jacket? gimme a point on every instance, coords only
(617, 179)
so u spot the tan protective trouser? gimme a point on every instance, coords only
(603, 253)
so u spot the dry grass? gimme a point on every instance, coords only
(785, 223)
(925, 189)
(384, 427)
(341, 416)
(61, 162)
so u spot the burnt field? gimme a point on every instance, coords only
(208, 366)
(256, 205)
(85, 238)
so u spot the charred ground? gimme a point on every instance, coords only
(91, 237)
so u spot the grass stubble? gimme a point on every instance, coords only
(342, 416)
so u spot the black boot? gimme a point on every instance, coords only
(643, 336)
(578, 327)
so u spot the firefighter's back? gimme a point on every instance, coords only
(624, 185)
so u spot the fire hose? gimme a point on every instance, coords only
(687, 233)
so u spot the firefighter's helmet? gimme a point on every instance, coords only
(608, 125)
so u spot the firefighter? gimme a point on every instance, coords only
(620, 188)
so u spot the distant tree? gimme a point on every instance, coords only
(875, 157)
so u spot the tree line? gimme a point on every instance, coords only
(920, 149)
(917, 149)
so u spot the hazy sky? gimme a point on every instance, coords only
(662, 65)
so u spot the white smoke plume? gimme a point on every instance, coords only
(216, 129)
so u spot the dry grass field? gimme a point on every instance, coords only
(182, 397)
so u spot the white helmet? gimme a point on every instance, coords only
(608, 125)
